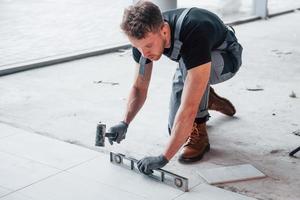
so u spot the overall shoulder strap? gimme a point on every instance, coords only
(142, 63)
(177, 43)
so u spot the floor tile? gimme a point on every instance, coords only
(230, 174)
(16, 196)
(46, 150)
(67, 186)
(103, 171)
(208, 192)
(17, 172)
(4, 191)
(6, 130)
(189, 171)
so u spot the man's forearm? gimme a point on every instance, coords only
(181, 130)
(136, 100)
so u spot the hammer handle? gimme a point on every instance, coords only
(110, 135)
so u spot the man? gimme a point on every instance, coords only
(207, 53)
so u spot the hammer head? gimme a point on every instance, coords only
(100, 135)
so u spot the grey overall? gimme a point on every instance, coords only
(226, 61)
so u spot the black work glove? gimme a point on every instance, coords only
(118, 132)
(148, 164)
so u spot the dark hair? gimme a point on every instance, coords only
(140, 19)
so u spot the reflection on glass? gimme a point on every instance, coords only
(232, 10)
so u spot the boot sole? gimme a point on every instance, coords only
(194, 159)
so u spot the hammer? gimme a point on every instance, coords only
(101, 134)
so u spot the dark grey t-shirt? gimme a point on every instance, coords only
(201, 32)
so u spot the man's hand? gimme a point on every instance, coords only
(118, 131)
(148, 164)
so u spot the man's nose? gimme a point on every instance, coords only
(145, 53)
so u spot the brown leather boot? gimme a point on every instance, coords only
(220, 104)
(196, 146)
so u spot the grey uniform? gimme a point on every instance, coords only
(198, 36)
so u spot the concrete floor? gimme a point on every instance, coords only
(64, 102)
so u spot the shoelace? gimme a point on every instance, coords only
(195, 135)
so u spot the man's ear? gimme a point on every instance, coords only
(164, 28)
